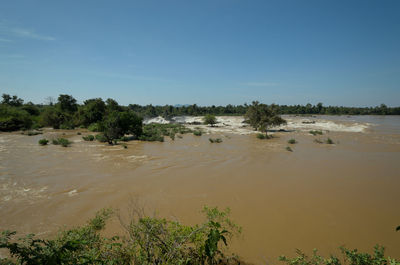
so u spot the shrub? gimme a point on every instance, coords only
(289, 149)
(125, 146)
(215, 140)
(61, 141)
(329, 141)
(292, 141)
(197, 132)
(43, 141)
(94, 127)
(88, 137)
(79, 133)
(352, 257)
(150, 240)
(101, 138)
(316, 132)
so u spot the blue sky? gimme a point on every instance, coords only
(206, 52)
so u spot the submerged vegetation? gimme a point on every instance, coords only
(61, 141)
(288, 148)
(88, 137)
(215, 140)
(43, 141)
(316, 132)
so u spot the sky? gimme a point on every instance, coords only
(208, 52)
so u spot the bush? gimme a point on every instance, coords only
(61, 141)
(329, 141)
(101, 138)
(197, 132)
(150, 240)
(289, 149)
(316, 132)
(156, 132)
(292, 141)
(43, 141)
(318, 141)
(88, 137)
(79, 133)
(215, 140)
(352, 257)
(94, 127)
(125, 146)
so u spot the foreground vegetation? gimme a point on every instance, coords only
(152, 240)
(149, 240)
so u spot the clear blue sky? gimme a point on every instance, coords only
(205, 52)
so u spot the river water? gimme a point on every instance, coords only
(318, 196)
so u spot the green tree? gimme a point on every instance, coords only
(12, 118)
(117, 124)
(262, 117)
(92, 111)
(12, 101)
(210, 119)
(67, 103)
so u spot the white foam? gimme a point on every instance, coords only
(234, 124)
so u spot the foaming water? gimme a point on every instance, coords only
(317, 196)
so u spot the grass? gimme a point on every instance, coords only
(292, 141)
(88, 137)
(289, 149)
(61, 141)
(316, 132)
(43, 141)
(215, 140)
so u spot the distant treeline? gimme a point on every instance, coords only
(66, 113)
(194, 110)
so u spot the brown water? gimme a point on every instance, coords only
(319, 195)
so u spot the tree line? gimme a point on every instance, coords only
(66, 113)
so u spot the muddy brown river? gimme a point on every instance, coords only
(318, 196)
